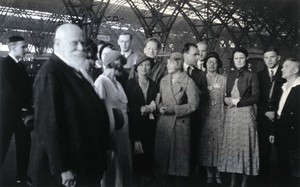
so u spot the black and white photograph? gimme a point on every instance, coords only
(150, 93)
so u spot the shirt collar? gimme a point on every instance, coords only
(186, 66)
(274, 70)
(15, 59)
(126, 54)
(295, 83)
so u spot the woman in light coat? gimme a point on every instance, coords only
(179, 98)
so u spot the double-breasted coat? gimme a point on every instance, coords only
(173, 133)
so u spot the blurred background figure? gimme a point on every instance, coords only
(202, 47)
(124, 42)
(91, 56)
(15, 96)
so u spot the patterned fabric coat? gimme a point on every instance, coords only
(173, 134)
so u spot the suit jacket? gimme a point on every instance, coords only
(159, 70)
(71, 124)
(131, 59)
(265, 103)
(288, 126)
(15, 93)
(248, 86)
(199, 77)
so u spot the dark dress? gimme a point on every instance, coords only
(142, 128)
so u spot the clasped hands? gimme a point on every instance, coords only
(138, 148)
(68, 178)
(231, 102)
(145, 110)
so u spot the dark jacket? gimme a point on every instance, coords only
(265, 103)
(140, 125)
(15, 92)
(71, 124)
(248, 86)
(288, 126)
(199, 77)
(265, 126)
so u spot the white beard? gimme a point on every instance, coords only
(78, 61)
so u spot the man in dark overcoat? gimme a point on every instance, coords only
(15, 97)
(70, 133)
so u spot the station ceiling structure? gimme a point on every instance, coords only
(223, 24)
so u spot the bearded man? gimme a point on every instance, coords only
(71, 123)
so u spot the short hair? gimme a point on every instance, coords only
(91, 47)
(126, 33)
(201, 42)
(187, 46)
(15, 39)
(271, 48)
(152, 39)
(240, 50)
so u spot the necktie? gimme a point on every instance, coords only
(271, 75)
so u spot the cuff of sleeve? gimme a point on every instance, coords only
(235, 101)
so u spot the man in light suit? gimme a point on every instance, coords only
(70, 135)
(15, 96)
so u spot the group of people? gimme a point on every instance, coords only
(98, 116)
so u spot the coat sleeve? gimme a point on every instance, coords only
(262, 109)
(192, 100)
(254, 92)
(48, 118)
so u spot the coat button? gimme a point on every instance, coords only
(292, 113)
(292, 128)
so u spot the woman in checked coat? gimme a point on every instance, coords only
(179, 98)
